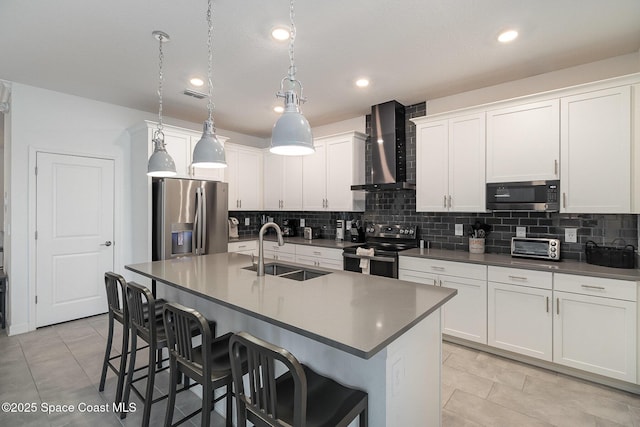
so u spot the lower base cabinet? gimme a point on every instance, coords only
(249, 247)
(520, 311)
(519, 319)
(596, 329)
(465, 315)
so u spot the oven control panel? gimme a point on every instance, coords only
(393, 231)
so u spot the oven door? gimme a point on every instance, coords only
(386, 266)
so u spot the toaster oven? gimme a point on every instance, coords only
(539, 248)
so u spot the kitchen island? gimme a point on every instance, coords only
(378, 334)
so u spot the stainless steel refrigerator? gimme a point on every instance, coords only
(189, 217)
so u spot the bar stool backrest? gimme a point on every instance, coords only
(115, 285)
(181, 325)
(141, 306)
(259, 405)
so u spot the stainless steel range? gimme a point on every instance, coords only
(386, 241)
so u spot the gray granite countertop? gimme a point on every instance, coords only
(356, 313)
(325, 243)
(564, 266)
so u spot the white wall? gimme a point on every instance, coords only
(45, 120)
(600, 70)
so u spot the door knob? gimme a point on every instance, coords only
(107, 243)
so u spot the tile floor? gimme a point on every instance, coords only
(61, 364)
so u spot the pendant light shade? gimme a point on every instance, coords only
(209, 151)
(291, 134)
(160, 163)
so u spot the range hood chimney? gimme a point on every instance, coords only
(388, 150)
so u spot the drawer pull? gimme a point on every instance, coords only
(599, 288)
(517, 278)
(242, 246)
(435, 267)
(317, 253)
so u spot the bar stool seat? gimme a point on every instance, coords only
(299, 397)
(208, 363)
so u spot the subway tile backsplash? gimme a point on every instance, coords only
(399, 207)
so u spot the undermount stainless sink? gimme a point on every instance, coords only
(288, 271)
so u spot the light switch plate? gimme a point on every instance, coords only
(301, 222)
(521, 231)
(571, 235)
(247, 221)
(459, 229)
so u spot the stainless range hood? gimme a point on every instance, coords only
(388, 150)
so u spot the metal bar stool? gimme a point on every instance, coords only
(208, 364)
(300, 397)
(150, 329)
(115, 286)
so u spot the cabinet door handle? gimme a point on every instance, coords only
(558, 306)
(449, 200)
(444, 201)
(547, 304)
(599, 288)
(564, 200)
(517, 278)
(435, 267)
(240, 203)
(555, 167)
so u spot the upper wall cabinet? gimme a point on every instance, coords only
(596, 151)
(282, 183)
(244, 175)
(450, 164)
(329, 173)
(523, 142)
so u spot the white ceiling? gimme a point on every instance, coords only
(412, 50)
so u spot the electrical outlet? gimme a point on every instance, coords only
(521, 231)
(301, 222)
(459, 230)
(571, 235)
(247, 221)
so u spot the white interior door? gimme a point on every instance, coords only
(74, 245)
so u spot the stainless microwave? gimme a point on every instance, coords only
(524, 196)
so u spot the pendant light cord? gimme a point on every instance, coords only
(209, 71)
(292, 39)
(160, 80)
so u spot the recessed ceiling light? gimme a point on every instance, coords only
(507, 36)
(196, 81)
(280, 33)
(278, 109)
(362, 82)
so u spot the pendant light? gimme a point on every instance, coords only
(160, 163)
(209, 152)
(291, 135)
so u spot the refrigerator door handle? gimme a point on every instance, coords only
(196, 226)
(203, 220)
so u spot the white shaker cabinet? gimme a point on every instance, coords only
(595, 325)
(272, 250)
(596, 152)
(319, 256)
(465, 315)
(244, 175)
(329, 173)
(520, 311)
(450, 164)
(523, 142)
(282, 183)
